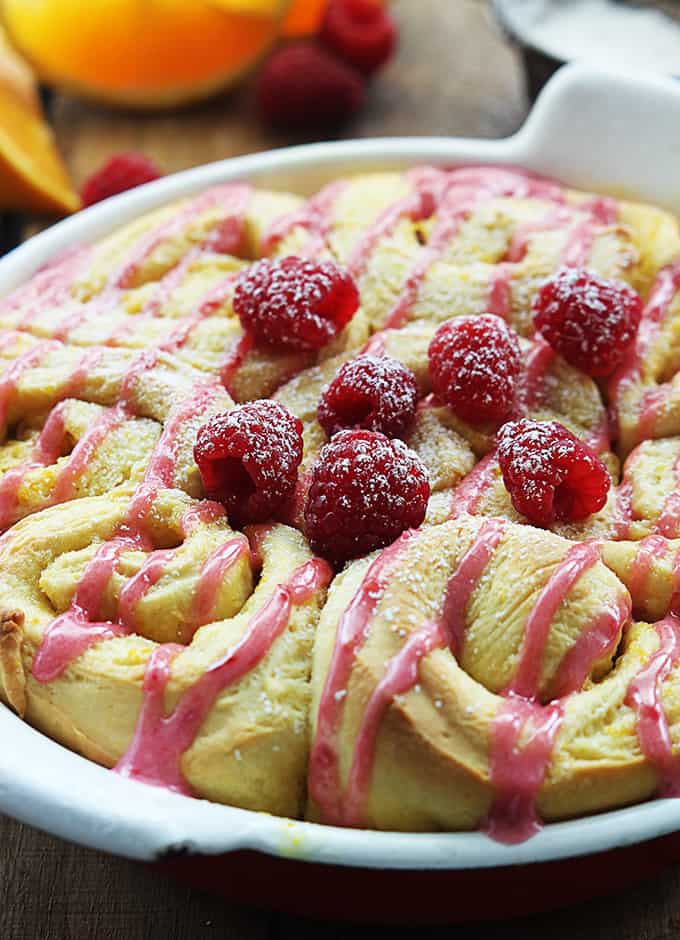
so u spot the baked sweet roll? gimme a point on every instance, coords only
(428, 244)
(436, 657)
(419, 388)
(166, 282)
(79, 449)
(164, 645)
(644, 390)
(60, 447)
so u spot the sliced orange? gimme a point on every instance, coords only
(304, 17)
(32, 176)
(143, 53)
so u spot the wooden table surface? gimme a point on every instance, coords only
(454, 75)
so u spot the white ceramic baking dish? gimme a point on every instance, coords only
(591, 129)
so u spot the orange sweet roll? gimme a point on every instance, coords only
(150, 645)
(146, 565)
(38, 374)
(82, 422)
(179, 262)
(648, 499)
(429, 244)
(436, 657)
(644, 390)
(79, 449)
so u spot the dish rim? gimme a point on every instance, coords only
(83, 802)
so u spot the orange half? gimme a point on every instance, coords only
(32, 176)
(143, 53)
(304, 17)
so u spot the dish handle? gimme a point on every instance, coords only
(603, 130)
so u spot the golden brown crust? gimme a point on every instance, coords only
(12, 675)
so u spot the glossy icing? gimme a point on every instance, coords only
(160, 740)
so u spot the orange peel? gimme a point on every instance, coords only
(32, 175)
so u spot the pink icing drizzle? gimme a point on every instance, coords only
(81, 372)
(203, 513)
(428, 187)
(400, 677)
(212, 577)
(226, 238)
(644, 696)
(579, 244)
(10, 379)
(579, 558)
(138, 587)
(234, 360)
(234, 196)
(47, 450)
(453, 211)
(160, 740)
(161, 467)
(467, 187)
(376, 344)
(517, 775)
(49, 287)
(315, 216)
(324, 781)
(83, 452)
(629, 372)
(649, 549)
(668, 523)
(675, 581)
(651, 407)
(217, 296)
(598, 641)
(623, 512)
(519, 243)
(467, 495)
(167, 285)
(465, 579)
(499, 301)
(538, 361)
(500, 291)
(78, 628)
(156, 765)
(599, 439)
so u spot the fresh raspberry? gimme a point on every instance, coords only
(122, 172)
(366, 490)
(549, 473)
(588, 320)
(361, 32)
(372, 392)
(305, 86)
(249, 458)
(474, 364)
(295, 303)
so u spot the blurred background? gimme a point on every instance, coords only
(99, 95)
